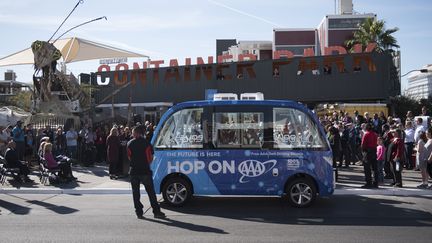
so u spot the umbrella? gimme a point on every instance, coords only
(73, 49)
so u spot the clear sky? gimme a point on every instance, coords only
(166, 29)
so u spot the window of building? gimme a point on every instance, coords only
(293, 129)
(182, 130)
(296, 50)
(345, 23)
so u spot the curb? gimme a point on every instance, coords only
(383, 192)
(89, 191)
(123, 191)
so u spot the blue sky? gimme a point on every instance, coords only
(189, 28)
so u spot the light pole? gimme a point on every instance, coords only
(423, 70)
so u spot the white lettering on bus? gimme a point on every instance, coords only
(248, 168)
(214, 167)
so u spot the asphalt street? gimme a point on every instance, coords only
(110, 218)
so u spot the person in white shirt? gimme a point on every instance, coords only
(409, 144)
(71, 142)
(419, 128)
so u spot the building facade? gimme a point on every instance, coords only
(262, 50)
(334, 30)
(295, 40)
(420, 84)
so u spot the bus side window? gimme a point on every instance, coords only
(293, 129)
(253, 129)
(182, 130)
(238, 130)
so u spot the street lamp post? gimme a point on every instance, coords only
(423, 70)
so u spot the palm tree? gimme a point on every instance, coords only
(374, 31)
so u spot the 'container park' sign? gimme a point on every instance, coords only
(141, 74)
(362, 75)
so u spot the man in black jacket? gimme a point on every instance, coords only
(12, 161)
(140, 154)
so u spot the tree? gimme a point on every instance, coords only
(22, 100)
(372, 30)
(403, 104)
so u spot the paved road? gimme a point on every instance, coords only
(110, 218)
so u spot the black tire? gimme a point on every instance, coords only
(301, 192)
(176, 191)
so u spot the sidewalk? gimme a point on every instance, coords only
(95, 180)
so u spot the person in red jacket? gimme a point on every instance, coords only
(369, 146)
(397, 156)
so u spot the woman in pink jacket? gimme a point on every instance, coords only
(65, 167)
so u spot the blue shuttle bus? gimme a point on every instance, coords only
(241, 147)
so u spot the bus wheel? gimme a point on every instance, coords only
(176, 191)
(301, 192)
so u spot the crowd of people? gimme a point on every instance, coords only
(20, 145)
(383, 145)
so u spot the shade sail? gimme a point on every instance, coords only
(73, 50)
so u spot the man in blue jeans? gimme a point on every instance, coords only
(18, 138)
(140, 154)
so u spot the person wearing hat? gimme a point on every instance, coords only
(18, 138)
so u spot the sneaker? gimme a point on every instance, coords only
(422, 186)
(367, 186)
(140, 216)
(430, 187)
(159, 215)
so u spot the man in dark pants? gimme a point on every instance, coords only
(18, 138)
(140, 154)
(369, 148)
(397, 155)
(12, 161)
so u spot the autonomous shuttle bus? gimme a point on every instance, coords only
(241, 147)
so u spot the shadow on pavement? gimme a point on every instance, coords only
(338, 210)
(55, 208)
(354, 177)
(17, 184)
(98, 170)
(14, 208)
(187, 226)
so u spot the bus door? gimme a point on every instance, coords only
(297, 141)
(241, 163)
(179, 148)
